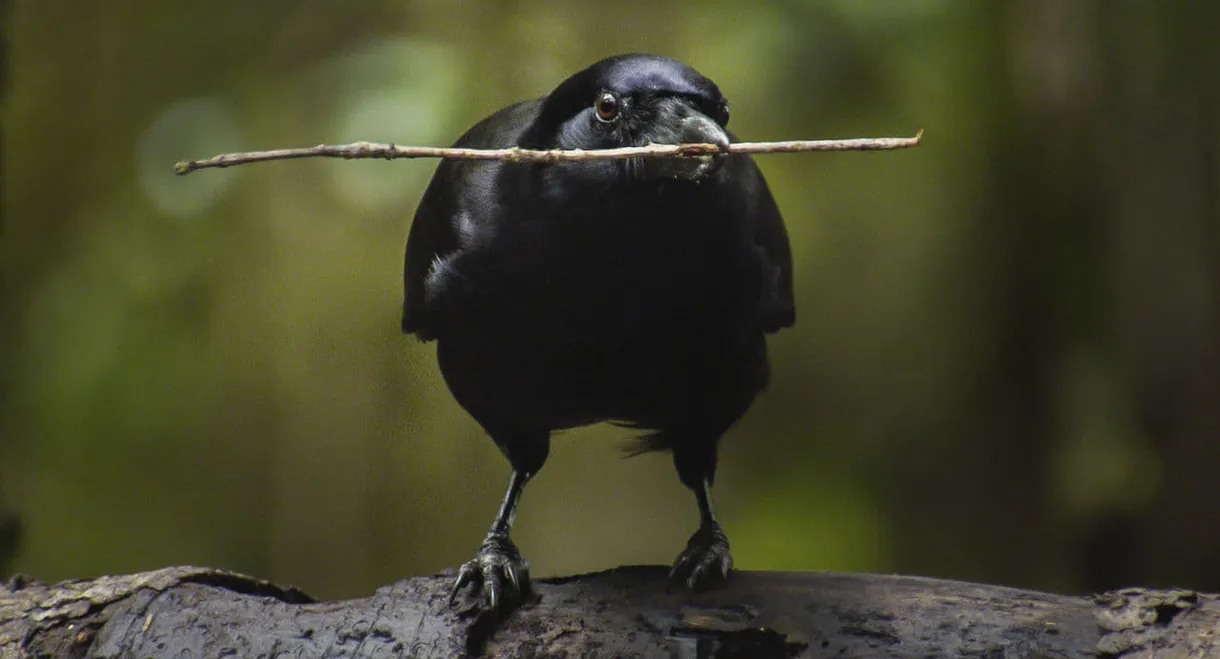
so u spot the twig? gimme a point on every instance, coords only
(514, 154)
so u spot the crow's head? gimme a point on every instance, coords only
(635, 100)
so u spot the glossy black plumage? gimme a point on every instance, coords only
(632, 291)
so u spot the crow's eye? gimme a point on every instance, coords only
(607, 106)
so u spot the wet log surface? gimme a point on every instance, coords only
(200, 612)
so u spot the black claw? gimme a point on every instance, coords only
(498, 577)
(491, 590)
(705, 561)
(514, 580)
(465, 577)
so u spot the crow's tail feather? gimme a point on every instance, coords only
(650, 441)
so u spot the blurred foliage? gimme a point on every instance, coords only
(1006, 365)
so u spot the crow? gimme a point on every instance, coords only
(637, 292)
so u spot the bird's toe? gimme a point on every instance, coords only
(705, 562)
(497, 579)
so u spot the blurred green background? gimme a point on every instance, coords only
(1006, 365)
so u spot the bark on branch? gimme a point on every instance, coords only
(200, 612)
(515, 154)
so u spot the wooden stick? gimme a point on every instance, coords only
(515, 154)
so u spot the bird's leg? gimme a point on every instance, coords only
(498, 569)
(706, 560)
(508, 508)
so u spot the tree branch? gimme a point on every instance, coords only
(515, 154)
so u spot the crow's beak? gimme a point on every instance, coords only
(678, 122)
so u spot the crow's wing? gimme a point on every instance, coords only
(771, 239)
(459, 202)
(772, 236)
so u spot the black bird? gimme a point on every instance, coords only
(632, 291)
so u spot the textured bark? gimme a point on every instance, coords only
(199, 612)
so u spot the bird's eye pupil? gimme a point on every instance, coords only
(607, 106)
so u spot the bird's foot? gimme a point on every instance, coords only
(498, 577)
(705, 561)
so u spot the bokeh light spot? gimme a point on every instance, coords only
(189, 129)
